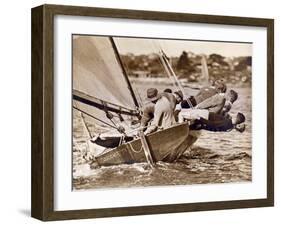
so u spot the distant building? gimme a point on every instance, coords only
(140, 74)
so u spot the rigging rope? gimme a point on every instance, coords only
(110, 116)
(160, 60)
(133, 149)
(84, 123)
(174, 75)
(120, 129)
(170, 72)
(167, 66)
(87, 128)
(95, 118)
(158, 49)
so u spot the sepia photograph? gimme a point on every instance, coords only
(160, 112)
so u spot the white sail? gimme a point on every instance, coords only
(204, 71)
(97, 74)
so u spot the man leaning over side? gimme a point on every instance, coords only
(164, 111)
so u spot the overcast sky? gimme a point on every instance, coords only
(175, 47)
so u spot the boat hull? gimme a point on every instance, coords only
(165, 145)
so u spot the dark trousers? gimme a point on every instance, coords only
(185, 103)
(111, 142)
(215, 123)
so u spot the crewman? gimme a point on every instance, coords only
(233, 96)
(219, 102)
(220, 123)
(148, 108)
(205, 93)
(164, 111)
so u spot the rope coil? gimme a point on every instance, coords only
(132, 149)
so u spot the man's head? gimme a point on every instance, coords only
(220, 86)
(232, 96)
(239, 124)
(240, 118)
(152, 94)
(179, 96)
(240, 127)
(227, 107)
(167, 90)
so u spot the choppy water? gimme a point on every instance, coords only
(215, 158)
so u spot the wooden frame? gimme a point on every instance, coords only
(43, 108)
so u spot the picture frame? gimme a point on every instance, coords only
(43, 82)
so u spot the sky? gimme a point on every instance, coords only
(175, 47)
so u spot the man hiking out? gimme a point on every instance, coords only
(220, 123)
(204, 93)
(219, 102)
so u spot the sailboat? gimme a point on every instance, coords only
(103, 93)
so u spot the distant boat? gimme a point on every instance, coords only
(103, 93)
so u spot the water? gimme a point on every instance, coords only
(215, 158)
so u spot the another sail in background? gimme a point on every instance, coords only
(204, 79)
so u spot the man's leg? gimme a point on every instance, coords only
(192, 114)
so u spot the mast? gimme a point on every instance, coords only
(124, 71)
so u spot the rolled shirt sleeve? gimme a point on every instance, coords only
(213, 104)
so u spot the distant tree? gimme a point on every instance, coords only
(243, 63)
(183, 62)
(249, 60)
(216, 58)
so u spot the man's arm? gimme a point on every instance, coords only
(147, 115)
(211, 102)
(145, 119)
(157, 116)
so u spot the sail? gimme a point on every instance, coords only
(204, 71)
(98, 79)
